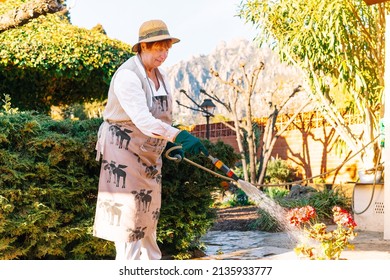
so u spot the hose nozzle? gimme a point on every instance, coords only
(221, 166)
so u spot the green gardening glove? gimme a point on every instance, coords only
(190, 143)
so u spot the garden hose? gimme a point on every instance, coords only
(230, 175)
(374, 184)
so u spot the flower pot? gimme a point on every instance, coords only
(370, 177)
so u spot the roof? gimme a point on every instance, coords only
(371, 2)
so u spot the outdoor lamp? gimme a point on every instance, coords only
(208, 108)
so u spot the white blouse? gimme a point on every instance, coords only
(131, 98)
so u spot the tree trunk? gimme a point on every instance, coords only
(28, 11)
(270, 135)
(250, 137)
(233, 99)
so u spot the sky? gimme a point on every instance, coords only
(200, 24)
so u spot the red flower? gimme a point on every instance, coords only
(343, 218)
(330, 244)
(296, 216)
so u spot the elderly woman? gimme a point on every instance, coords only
(137, 128)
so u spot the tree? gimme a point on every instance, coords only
(243, 87)
(47, 61)
(271, 135)
(339, 44)
(28, 11)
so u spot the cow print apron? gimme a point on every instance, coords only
(129, 197)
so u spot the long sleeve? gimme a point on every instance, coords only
(132, 98)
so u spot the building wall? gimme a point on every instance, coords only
(312, 152)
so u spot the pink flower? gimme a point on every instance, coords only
(330, 243)
(297, 216)
(343, 217)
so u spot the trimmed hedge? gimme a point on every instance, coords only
(48, 189)
(48, 61)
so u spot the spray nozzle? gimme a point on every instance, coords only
(221, 166)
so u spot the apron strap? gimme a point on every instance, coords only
(160, 78)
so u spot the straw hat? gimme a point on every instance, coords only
(152, 31)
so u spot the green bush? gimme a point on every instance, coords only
(48, 61)
(323, 201)
(266, 222)
(187, 212)
(278, 171)
(276, 192)
(48, 188)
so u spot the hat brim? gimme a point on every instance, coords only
(135, 48)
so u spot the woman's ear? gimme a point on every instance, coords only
(143, 46)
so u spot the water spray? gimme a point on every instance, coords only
(260, 198)
(247, 187)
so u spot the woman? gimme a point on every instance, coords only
(135, 132)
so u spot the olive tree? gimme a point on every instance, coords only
(339, 44)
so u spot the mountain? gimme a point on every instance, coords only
(275, 82)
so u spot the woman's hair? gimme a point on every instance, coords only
(163, 44)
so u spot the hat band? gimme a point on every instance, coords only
(153, 34)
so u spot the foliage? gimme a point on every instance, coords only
(7, 107)
(266, 222)
(339, 45)
(328, 244)
(278, 171)
(276, 192)
(48, 61)
(186, 213)
(323, 201)
(48, 191)
(48, 183)
(239, 198)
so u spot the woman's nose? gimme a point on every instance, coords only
(164, 54)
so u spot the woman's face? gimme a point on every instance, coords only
(154, 55)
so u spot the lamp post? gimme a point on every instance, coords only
(208, 108)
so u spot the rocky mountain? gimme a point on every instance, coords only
(275, 82)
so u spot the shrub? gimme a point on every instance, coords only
(48, 61)
(278, 171)
(48, 180)
(48, 190)
(186, 212)
(323, 202)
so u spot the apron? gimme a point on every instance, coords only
(129, 197)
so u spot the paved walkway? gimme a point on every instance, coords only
(252, 245)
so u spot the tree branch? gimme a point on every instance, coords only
(199, 109)
(28, 11)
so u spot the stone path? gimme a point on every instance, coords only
(251, 245)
